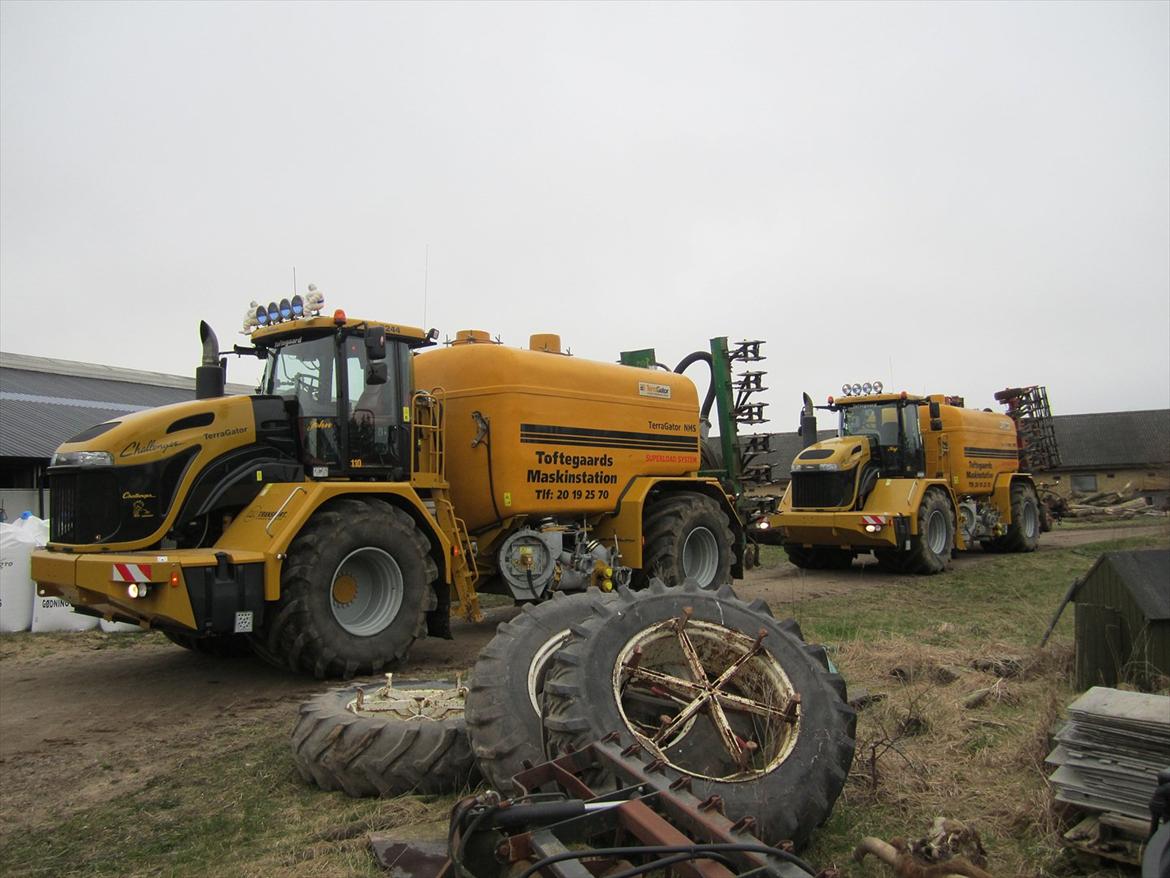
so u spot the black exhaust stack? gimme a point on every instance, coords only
(209, 377)
(808, 423)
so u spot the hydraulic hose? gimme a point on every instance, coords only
(689, 360)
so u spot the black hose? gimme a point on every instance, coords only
(487, 440)
(689, 360)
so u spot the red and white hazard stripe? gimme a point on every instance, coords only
(131, 573)
(879, 520)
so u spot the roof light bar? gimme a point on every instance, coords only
(296, 308)
(865, 389)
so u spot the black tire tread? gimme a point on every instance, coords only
(569, 722)
(365, 756)
(663, 522)
(497, 697)
(291, 638)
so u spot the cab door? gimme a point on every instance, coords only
(376, 411)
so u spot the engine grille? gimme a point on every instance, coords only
(821, 490)
(73, 520)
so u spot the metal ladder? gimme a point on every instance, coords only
(428, 470)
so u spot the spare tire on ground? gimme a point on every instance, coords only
(719, 693)
(503, 702)
(384, 740)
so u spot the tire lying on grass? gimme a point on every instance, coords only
(383, 740)
(503, 702)
(762, 723)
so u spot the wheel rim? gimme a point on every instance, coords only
(706, 699)
(936, 531)
(366, 591)
(700, 556)
(414, 701)
(539, 663)
(1031, 519)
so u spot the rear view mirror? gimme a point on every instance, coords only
(376, 345)
(376, 372)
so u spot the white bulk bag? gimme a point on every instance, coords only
(49, 613)
(16, 589)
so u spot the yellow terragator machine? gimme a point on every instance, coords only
(375, 483)
(912, 478)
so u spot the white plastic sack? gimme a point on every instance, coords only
(48, 614)
(56, 614)
(16, 588)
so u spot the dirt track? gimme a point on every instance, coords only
(84, 718)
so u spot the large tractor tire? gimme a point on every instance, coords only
(1023, 534)
(930, 550)
(224, 646)
(406, 738)
(353, 592)
(687, 536)
(503, 702)
(727, 698)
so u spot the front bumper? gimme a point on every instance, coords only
(198, 591)
(847, 530)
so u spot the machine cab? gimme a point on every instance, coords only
(348, 386)
(890, 424)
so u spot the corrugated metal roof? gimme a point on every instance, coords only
(43, 401)
(1113, 439)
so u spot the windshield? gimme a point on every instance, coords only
(880, 420)
(303, 370)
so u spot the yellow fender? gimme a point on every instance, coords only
(625, 524)
(272, 521)
(1001, 494)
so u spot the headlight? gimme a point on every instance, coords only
(832, 467)
(82, 458)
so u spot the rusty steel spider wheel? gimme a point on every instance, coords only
(716, 692)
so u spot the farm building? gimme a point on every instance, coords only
(44, 401)
(1123, 620)
(1108, 451)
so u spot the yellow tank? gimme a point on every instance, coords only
(971, 450)
(564, 436)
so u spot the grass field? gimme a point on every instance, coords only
(237, 807)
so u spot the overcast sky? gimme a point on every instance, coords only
(949, 197)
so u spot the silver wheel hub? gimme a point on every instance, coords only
(1031, 522)
(936, 531)
(366, 591)
(700, 556)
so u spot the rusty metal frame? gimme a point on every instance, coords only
(654, 812)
